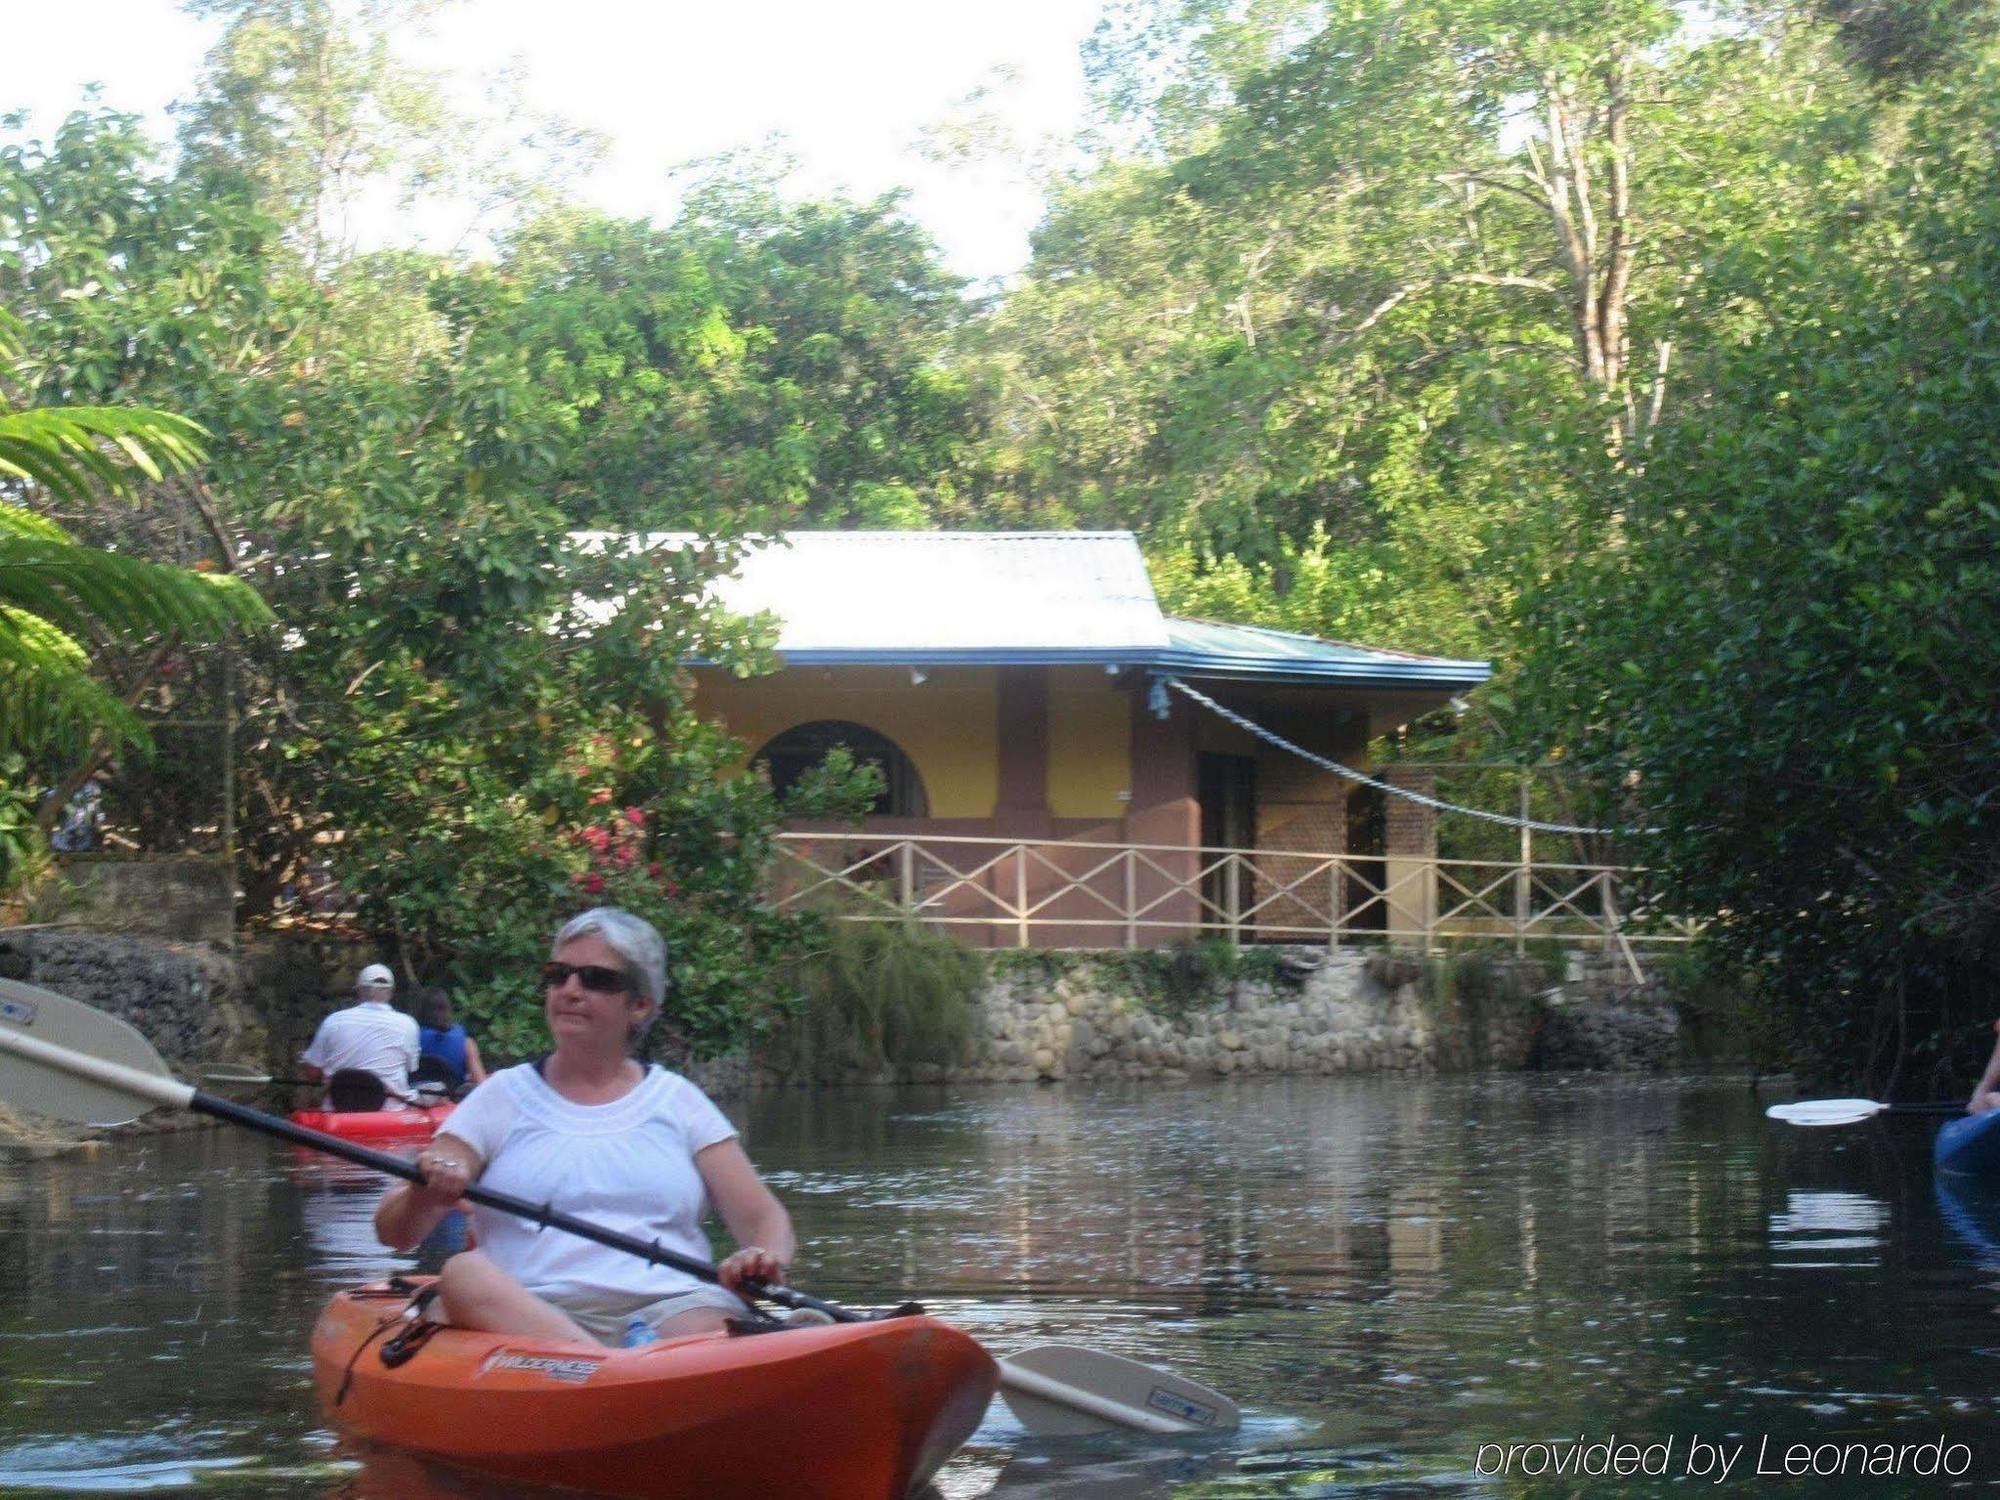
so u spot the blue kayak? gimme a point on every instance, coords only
(1971, 1211)
(1970, 1146)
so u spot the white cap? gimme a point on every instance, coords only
(375, 976)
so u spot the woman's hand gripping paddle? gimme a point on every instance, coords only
(62, 1058)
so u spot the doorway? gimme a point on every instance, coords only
(1226, 787)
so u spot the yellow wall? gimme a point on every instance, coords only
(1090, 744)
(946, 725)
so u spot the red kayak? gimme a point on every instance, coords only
(848, 1411)
(376, 1124)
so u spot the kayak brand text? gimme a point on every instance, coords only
(556, 1367)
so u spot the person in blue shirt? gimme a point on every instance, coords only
(442, 1039)
(1984, 1098)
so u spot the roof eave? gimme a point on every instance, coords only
(1444, 676)
(963, 656)
(1435, 673)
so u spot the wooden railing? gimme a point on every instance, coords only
(1054, 894)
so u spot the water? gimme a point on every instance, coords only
(1396, 1278)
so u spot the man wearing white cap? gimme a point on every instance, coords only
(371, 1036)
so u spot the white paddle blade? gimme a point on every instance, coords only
(1057, 1390)
(36, 1078)
(1825, 1111)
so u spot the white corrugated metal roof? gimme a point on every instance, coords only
(861, 598)
(925, 591)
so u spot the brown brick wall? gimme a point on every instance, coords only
(1412, 827)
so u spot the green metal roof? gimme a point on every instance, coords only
(1207, 648)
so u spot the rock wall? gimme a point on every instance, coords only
(187, 999)
(1054, 1017)
(1089, 1023)
(1048, 1017)
(177, 899)
(1075, 1016)
(1062, 1016)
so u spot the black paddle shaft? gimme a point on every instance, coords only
(506, 1203)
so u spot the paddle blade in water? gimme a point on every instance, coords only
(25, 1083)
(1058, 1390)
(1825, 1111)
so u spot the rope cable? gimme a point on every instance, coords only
(1278, 740)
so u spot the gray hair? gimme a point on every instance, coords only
(633, 939)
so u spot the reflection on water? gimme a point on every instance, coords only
(337, 1211)
(1387, 1274)
(1819, 1229)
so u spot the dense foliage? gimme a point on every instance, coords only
(1395, 288)
(877, 996)
(1813, 563)
(409, 452)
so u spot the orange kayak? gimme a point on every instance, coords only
(376, 1124)
(851, 1411)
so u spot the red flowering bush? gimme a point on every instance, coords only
(656, 820)
(618, 848)
(490, 788)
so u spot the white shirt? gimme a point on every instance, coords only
(627, 1165)
(372, 1035)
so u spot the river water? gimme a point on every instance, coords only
(1396, 1277)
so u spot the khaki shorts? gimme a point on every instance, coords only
(604, 1317)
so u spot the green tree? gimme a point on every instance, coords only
(754, 364)
(60, 599)
(1383, 293)
(62, 602)
(412, 445)
(1782, 672)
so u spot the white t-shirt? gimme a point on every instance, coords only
(372, 1035)
(627, 1165)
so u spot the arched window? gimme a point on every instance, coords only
(804, 746)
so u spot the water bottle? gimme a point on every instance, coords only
(638, 1332)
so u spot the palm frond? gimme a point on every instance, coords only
(18, 520)
(56, 595)
(77, 451)
(48, 697)
(75, 587)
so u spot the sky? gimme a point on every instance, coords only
(849, 84)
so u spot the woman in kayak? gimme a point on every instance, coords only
(591, 1130)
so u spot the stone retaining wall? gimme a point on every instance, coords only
(171, 898)
(1056, 1017)
(1048, 1017)
(1336, 1017)
(188, 999)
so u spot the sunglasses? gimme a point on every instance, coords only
(599, 979)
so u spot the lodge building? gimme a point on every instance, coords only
(1060, 764)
